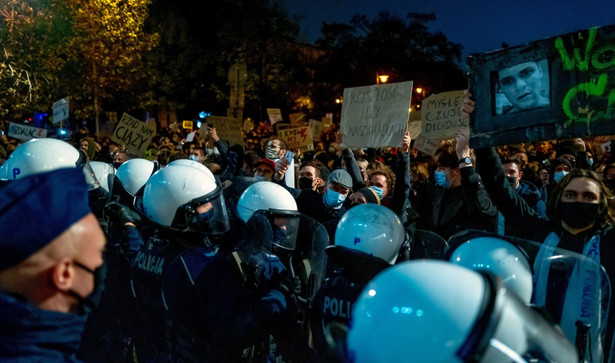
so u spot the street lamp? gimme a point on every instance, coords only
(338, 100)
(381, 78)
(419, 90)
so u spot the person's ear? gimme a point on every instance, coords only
(63, 275)
(520, 174)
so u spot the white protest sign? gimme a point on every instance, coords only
(24, 132)
(316, 127)
(60, 110)
(299, 138)
(375, 116)
(426, 146)
(227, 128)
(133, 133)
(275, 115)
(415, 124)
(441, 115)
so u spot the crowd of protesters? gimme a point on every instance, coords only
(444, 193)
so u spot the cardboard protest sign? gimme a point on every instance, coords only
(25, 132)
(187, 124)
(316, 127)
(441, 115)
(415, 125)
(297, 118)
(426, 145)
(299, 138)
(375, 116)
(227, 128)
(60, 110)
(549, 89)
(134, 134)
(275, 115)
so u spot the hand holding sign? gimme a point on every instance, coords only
(468, 104)
(405, 142)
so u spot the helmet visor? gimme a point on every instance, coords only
(90, 177)
(208, 214)
(285, 229)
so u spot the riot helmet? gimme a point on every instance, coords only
(134, 173)
(436, 311)
(278, 205)
(186, 199)
(502, 258)
(43, 155)
(372, 229)
(104, 173)
(194, 164)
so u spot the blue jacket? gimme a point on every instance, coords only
(30, 334)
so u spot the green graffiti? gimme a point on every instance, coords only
(591, 88)
(568, 61)
(604, 57)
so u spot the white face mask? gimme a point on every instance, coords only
(194, 157)
(271, 154)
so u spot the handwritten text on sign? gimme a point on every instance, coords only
(227, 128)
(299, 138)
(441, 115)
(375, 116)
(23, 132)
(133, 133)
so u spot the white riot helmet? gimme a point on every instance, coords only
(104, 173)
(4, 172)
(43, 155)
(435, 311)
(194, 164)
(501, 258)
(134, 173)
(278, 204)
(185, 198)
(372, 229)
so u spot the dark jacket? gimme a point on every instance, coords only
(464, 207)
(529, 225)
(30, 334)
(398, 201)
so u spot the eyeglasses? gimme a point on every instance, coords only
(263, 171)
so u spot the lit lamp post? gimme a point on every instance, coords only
(419, 98)
(381, 78)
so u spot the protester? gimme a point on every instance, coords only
(460, 200)
(580, 220)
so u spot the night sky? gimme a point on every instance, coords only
(479, 27)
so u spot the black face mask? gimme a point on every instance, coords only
(90, 302)
(577, 214)
(512, 180)
(305, 182)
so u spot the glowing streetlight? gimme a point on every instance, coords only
(381, 78)
(339, 100)
(419, 90)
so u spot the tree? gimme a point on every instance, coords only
(108, 48)
(201, 40)
(404, 49)
(33, 35)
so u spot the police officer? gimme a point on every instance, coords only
(435, 311)
(50, 266)
(368, 240)
(192, 303)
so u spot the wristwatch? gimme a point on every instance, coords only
(467, 160)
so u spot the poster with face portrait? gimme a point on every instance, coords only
(549, 89)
